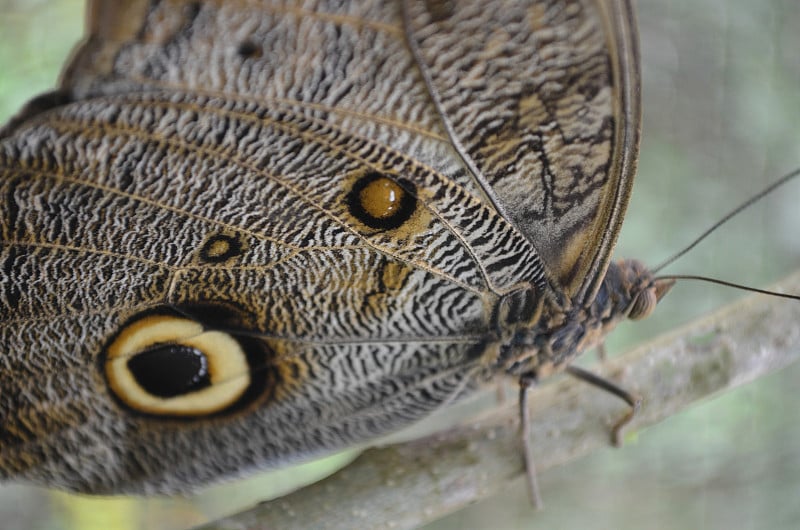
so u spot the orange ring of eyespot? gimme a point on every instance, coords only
(227, 363)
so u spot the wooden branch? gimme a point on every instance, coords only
(409, 484)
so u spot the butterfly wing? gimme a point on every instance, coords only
(542, 103)
(267, 189)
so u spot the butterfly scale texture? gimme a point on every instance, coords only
(249, 122)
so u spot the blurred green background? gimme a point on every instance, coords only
(721, 92)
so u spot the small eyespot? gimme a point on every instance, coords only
(220, 247)
(170, 366)
(248, 49)
(381, 202)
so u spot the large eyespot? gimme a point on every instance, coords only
(170, 366)
(381, 202)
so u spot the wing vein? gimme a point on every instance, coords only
(78, 128)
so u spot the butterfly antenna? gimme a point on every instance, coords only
(727, 284)
(752, 200)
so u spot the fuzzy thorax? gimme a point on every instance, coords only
(628, 290)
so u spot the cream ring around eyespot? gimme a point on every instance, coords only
(227, 366)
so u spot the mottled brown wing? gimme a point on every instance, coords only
(541, 100)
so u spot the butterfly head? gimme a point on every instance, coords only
(632, 290)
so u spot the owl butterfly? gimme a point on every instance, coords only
(244, 233)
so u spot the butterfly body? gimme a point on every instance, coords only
(250, 234)
(628, 291)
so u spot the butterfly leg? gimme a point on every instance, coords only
(633, 400)
(526, 382)
(602, 355)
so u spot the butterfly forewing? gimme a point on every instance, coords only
(350, 200)
(541, 102)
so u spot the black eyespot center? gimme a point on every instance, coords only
(169, 370)
(395, 198)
